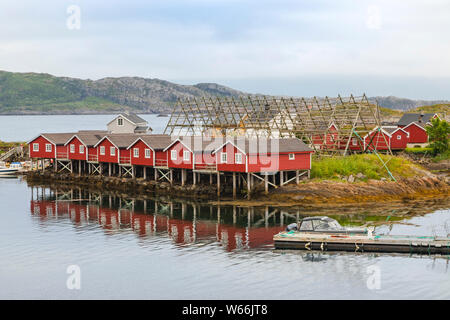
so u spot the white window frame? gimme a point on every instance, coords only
(223, 157)
(112, 151)
(48, 147)
(354, 142)
(136, 152)
(35, 147)
(81, 148)
(399, 137)
(173, 154)
(147, 153)
(186, 155)
(120, 122)
(238, 158)
(102, 150)
(291, 156)
(72, 148)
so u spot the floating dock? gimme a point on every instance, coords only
(362, 243)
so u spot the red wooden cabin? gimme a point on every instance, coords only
(261, 155)
(179, 155)
(148, 150)
(49, 146)
(385, 137)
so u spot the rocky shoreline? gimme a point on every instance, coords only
(311, 193)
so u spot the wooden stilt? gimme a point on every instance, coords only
(234, 184)
(183, 176)
(218, 184)
(194, 179)
(266, 184)
(249, 186)
(145, 172)
(109, 169)
(281, 178)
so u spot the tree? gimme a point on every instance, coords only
(438, 134)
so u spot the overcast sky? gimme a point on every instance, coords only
(316, 47)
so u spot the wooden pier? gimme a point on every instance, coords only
(362, 243)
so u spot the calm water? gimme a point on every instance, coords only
(25, 128)
(163, 249)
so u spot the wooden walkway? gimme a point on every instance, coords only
(362, 243)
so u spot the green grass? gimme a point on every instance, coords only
(419, 150)
(367, 164)
(442, 156)
(436, 108)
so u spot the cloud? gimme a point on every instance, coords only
(199, 40)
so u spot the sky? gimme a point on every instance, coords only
(282, 47)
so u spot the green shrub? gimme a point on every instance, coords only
(367, 164)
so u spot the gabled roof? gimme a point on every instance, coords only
(154, 141)
(408, 118)
(131, 117)
(119, 140)
(262, 146)
(89, 139)
(387, 130)
(55, 138)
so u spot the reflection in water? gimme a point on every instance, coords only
(184, 222)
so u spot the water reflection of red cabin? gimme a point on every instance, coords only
(180, 231)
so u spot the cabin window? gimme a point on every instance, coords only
(223, 157)
(291, 156)
(136, 152)
(399, 137)
(48, 147)
(186, 156)
(72, 148)
(238, 158)
(354, 142)
(81, 149)
(173, 155)
(35, 146)
(112, 151)
(147, 153)
(120, 122)
(102, 150)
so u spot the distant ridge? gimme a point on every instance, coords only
(41, 93)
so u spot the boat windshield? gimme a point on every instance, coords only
(325, 225)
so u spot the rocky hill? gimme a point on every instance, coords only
(39, 93)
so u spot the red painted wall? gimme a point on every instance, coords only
(279, 162)
(160, 158)
(230, 150)
(76, 155)
(416, 134)
(62, 152)
(107, 156)
(141, 160)
(179, 163)
(378, 141)
(397, 144)
(205, 161)
(92, 154)
(42, 153)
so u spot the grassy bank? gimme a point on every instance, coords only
(367, 164)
